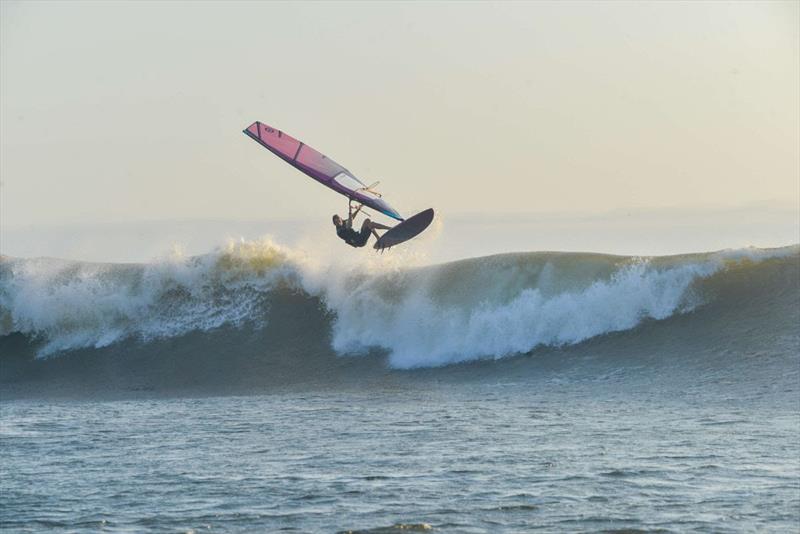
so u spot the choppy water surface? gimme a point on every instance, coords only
(458, 458)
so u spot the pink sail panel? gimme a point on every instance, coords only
(295, 151)
(308, 157)
(278, 141)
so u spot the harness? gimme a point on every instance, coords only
(347, 233)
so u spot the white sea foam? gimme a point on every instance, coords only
(71, 305)
(417, 331)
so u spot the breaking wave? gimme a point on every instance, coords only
(418, 315)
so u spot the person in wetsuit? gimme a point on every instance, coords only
(344, 229)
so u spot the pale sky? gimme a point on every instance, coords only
(125, 112)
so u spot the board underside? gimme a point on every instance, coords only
(406, 230)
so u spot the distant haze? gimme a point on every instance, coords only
(122, 113)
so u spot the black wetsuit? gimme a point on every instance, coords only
(351, 237)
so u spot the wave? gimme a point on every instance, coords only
(418, 315)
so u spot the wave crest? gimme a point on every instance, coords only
(489, 307)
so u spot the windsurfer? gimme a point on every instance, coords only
(344, 229)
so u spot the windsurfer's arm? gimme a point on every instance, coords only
(354, 213)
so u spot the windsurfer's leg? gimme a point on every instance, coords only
(376, 226)
(369, 226)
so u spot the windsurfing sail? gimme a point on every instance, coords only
(318, 166)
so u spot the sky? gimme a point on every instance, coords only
(115, 113)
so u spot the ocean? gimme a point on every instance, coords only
(258, 388)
